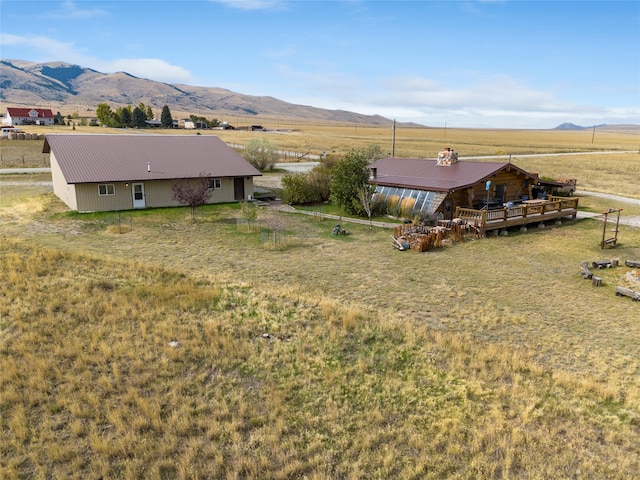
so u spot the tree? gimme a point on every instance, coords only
(125, 116)
(192, 192)
(262, 154)
(365, 195)
(165, 118)
(347, 179)
(104, 114)
(58, 119)
(149, 113)
(138, 118)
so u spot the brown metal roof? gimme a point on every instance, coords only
(125, 158)
(425, 174)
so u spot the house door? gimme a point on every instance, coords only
(501, 189)
(238, 188)
(138, 195)
(448, 209)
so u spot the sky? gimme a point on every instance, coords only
(459, 64)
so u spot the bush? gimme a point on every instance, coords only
(320, 181)
(262, 154)
(296, 188)
(425, 218)
(347, 178)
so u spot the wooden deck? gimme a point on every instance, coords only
(554, 208)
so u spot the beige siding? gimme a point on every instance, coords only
(90, 201)
(157, 194)
(64, 191)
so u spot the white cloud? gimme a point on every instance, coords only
(321, 80)
(71, 10)
(49, 49)
(253, 4)
(152, 68)
(476, 100)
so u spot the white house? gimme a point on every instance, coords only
(28, 116)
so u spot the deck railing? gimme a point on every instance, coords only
(536, 211)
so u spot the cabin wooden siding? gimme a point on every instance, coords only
(513, 189)
(470, 197)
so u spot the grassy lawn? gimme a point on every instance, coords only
(181, 349)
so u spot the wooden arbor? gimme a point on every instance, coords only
(611, 240)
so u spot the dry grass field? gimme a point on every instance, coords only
(330, 357)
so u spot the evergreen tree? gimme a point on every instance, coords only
(138, 118)
(149, 113)
(58, 119)
(125, 117)
(165, 118)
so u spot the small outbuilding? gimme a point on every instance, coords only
(106, 172)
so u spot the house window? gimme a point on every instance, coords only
(215, 184)
(106, 189)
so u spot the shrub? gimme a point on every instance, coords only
(347, 178)
(320, 181)
(262, 154)
(425, 218)
(296, 188)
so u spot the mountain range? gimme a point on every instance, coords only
(72, 88)
(69, 88)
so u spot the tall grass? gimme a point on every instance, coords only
(274, 384)
(184, 350)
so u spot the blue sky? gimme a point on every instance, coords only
(498, 64)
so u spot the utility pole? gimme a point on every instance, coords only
(393, 140)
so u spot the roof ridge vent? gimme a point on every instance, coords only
(447, 157)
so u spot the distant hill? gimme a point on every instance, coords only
(619, 128)
(68, 88)
(569, 126)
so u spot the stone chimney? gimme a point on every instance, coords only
(447, 157)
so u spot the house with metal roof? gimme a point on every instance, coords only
(28, 116)
(441, 185)
(120, 172)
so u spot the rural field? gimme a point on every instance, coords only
(147, 345)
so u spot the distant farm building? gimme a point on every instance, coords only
(28, 116)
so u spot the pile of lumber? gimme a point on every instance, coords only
(419, 238)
